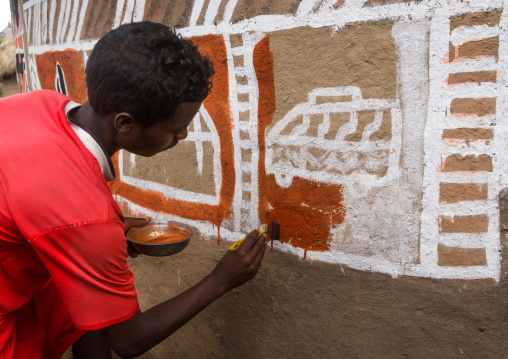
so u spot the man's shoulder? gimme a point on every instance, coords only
(38, 95)
(48, 95)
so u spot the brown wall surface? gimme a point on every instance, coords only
(298, 308)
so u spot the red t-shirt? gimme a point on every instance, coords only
(58, 223)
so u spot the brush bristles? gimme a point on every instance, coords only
(275, 231)
(272, 230)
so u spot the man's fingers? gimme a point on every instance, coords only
(130, 222)
(257, 250)
(250, 240)
(131, 251)
(260, 250)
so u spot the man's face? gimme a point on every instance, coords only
(162, 135)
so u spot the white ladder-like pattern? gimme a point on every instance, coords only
(244, 101)
(461, 239)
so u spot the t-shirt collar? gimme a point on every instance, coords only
(92, 143)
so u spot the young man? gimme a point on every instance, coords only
(64, 276)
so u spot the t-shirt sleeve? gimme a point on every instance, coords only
(88, 263)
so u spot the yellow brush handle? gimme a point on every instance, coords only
(235, 245)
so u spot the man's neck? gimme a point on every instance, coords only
(100, 126)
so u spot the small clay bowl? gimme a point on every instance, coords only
(139, 236)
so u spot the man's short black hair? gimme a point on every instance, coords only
(146, 70)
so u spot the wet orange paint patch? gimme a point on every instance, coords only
(306, 210)
(72, 64)
(217, 105)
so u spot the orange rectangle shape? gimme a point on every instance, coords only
(475, 76)
(457, 192)
(489, 18)
(479, 48)
(468, 163)
(472, 134)
(456, 256)
(464, 224)
(473, 106)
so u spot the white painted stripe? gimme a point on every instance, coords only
(139, 11)
(198, 142)
(244, 125)
(464, 240)
(129, 10)
(237, 51)
(382, 265)
(243, 106)
(118, 13)
(171, 192)
(66, 18)
(251, 40)
(450, 122)
(82, 15)
(459, 7)
(462, 177)
(243, 89)
(84, 45)
(28, 23)
(246, 144)
(438, 49)
(52, 14)
(469, 65)
(240, 71)
(211, 12)
(403, 11)
(327, 5)
(45, 26)
(196, 11)
(468, 147)
(228, 11)
(468, 208)
(36, 16)
(74, 21)
(338, 144)
(471, 90)
(236, 205)
(245, 205)
(28, 4)
(203, 137)
(246, 167)
(462, 35)
(306, 6)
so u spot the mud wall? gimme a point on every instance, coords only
(374, 131)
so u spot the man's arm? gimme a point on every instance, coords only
(146, 329)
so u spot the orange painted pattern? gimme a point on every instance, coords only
(71, 62)
(306, 209)
(218, 106)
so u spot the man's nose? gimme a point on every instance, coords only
(182, 135)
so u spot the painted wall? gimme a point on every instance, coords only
(374, 131)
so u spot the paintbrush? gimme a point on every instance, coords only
(271, 229)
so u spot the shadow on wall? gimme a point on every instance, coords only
(9, 86)
(8, 82)
(503, 227)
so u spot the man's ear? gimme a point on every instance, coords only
(124, 123)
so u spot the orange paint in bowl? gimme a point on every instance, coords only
(161, 239)
(171, 236)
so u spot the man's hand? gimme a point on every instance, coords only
(238, 267)
(157, 323)
(130, 222)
